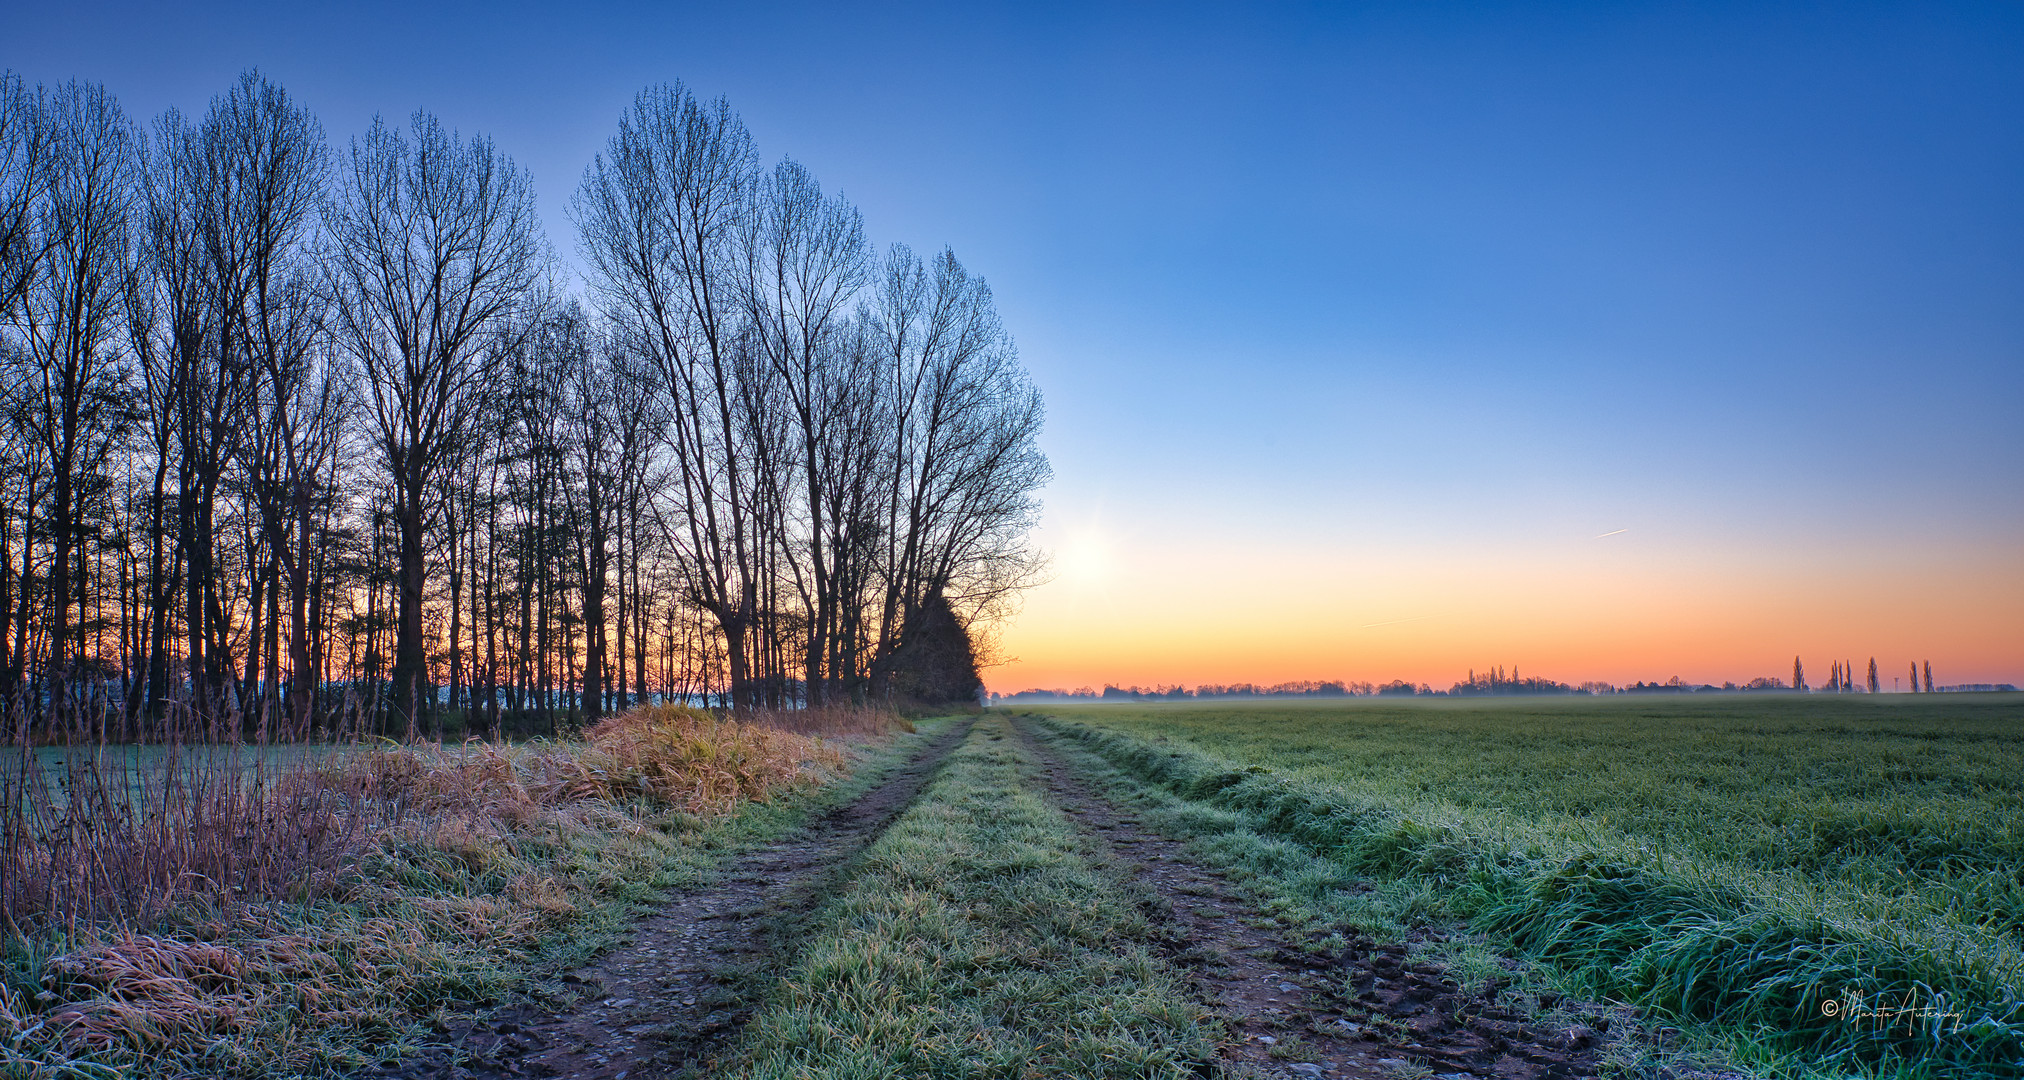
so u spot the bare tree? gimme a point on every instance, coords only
(24, 151)
(660, 214)
(227, 332)
(433, 246)
(274, 154)
(807, 260)
(639, 427)
(69, 319)
(198, 375)
(966, 466)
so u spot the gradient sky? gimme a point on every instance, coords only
(1359, 326)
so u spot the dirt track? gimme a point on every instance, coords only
(671, 999)
(670, 1002)
(1271, 992)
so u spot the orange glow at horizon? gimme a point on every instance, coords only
(1194, 612)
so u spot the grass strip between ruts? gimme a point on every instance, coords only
(980, 939)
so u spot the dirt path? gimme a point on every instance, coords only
(671, 999)
(1367, 1011)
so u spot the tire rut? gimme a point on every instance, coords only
(1365, 1011)
(673, 998)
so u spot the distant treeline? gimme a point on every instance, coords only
(1491, 683)
(1202, 692)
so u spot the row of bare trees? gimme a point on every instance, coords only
(296, 442)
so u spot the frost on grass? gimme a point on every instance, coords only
(442, 870)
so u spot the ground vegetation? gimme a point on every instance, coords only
(415, 882)
(1818, 883)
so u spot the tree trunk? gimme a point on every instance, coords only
(410, 659)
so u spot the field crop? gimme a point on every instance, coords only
(1827, 884)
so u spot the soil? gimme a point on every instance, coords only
(671, 1000)
(667, 1002)
(1296, 1009)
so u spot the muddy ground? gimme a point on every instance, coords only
(672, 999)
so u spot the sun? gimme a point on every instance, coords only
(1085, 558)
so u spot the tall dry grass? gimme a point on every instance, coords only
(668, 755)
(155, 903)
(115, 835)
(835, 721)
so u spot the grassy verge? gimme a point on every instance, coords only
(484, 867)
(978, 939)
(1792, 974)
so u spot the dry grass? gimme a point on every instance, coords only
(666, 755)
(841, 721)
(117, 835)
(430, 875)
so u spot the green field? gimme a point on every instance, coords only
(1835, 880)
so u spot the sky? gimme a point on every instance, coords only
(1378, 341)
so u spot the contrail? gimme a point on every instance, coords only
(1395, 622)
(1616, 532)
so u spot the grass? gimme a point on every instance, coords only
(1766, 869)
(481, 867)
(979, 939)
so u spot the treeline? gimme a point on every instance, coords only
(1492, 682)
(1841, 679)
(1182, 693)
(304, 441)
(1495, 681)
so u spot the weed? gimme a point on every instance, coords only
(1291, 1048)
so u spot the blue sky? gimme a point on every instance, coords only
(1336, 286)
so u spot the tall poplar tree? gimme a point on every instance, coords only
(434, 246)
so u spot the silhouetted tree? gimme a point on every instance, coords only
(807, 259)
(1798, 675)
(434, 246)
(25, 133)
(937, 664)
(74, 394)
(659, 213)
(1873, 687)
